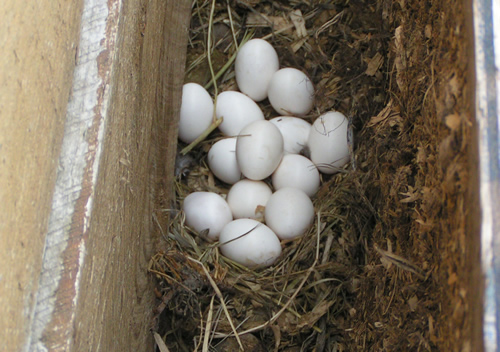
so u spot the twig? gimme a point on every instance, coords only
(202, 136)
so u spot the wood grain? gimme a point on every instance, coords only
(118, 156)
(38, 40)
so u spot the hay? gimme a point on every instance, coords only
(384, 267)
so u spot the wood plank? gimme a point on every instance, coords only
(38, 40)
(118, 154)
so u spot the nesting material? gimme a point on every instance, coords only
(384, 266)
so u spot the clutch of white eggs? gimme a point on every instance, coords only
(252, 220)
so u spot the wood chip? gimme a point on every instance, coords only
(159, 342)
(374, 64)
(300, 29)
(452, 121)
(299, 23)
(298, 44)
(413, 303)
(309, 319)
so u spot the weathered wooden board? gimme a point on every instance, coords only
(95, 294)
(38, 41)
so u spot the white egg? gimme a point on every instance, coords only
(197, 110)
(289, 213)
(222, 160)
(253, 244)
(291, 92)
(259, 149)
(247, 199)
(298, 172)
(328, 142)
(206, 210)
(255, 64)
(238, 111)
(295, 132)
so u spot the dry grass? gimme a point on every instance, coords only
(383, 269)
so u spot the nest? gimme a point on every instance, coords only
(383, 267)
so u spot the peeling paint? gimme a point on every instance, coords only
(64, 254)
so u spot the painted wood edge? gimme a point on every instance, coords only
(65, 244)
(487, 111)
